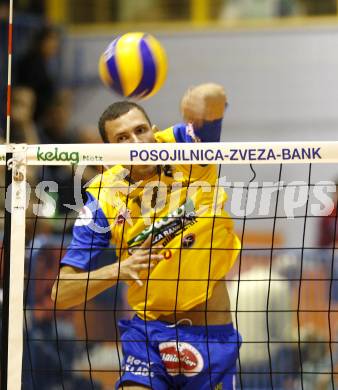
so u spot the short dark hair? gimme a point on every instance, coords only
(116, 110)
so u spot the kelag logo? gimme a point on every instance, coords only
(73, 157)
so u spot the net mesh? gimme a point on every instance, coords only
(283, 287)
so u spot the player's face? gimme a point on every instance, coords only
(131, 127)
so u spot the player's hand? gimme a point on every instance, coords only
(143, 258)
(205, 102)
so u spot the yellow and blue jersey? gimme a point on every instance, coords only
(186, 216)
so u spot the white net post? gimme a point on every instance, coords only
(16, 206)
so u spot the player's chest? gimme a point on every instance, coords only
(156, 207)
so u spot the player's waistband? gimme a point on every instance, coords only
(225, 329)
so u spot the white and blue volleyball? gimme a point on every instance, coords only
(134, 65)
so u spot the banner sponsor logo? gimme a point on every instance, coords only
(57, 155)
(222, 155)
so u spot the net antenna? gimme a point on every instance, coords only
(9, 72)
(13, 244)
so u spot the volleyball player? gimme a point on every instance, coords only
(182, 334)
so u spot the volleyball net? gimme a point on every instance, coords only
(283, 288)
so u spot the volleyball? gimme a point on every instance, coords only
(134, 65)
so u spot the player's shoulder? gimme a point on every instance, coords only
(166, 135)
(180, 132)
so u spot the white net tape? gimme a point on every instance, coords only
(182, 153)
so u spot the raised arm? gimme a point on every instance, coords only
(203, 103)
(202, 108)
